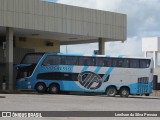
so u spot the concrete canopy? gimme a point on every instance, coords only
(57, 22)
(69, 24)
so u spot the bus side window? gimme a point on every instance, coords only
(90, 61)
(86, 61)
(52, 60)
(134, 63)
(63, 60)
(117, 62)
(144, 63)
(99, 61)
(81, 61)
(71, 60)
(125, 63)
(107, 62)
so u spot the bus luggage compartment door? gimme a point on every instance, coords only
(143, 85)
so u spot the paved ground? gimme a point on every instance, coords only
(48, 102)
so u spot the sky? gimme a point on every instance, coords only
(143, 20)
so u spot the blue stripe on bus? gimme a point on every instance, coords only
(108, 72)
(94, 55)
(97, 70)
(85, 68)
(120, 56)
(107, 55)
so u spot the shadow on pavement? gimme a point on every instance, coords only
(2, 96)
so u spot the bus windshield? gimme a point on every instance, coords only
(32, 58)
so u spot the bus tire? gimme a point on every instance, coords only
(40, 87)
(124, 92)
(147, 94)
(111, 91)
(54, 89)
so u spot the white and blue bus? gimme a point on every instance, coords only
(55, 72)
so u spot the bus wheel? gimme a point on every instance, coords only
(54, 89)
(147, 94)
(124, 92)
(40, 87)
(111, 91)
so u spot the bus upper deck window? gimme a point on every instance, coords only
(99, 61)
(117, 62)
(69, 60)
(107, 62)
(134, 63)
(144, 63)
(52, 60)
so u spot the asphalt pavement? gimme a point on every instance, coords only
(76, 102)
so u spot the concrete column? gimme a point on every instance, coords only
(101, 45)
(9, 58)
(145, 54)
(155, 58)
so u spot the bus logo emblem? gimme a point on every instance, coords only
(90, 80)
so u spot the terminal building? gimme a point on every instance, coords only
(38, 26)
(151, 47)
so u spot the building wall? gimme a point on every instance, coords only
(2, 59)
(59, 18)
(2, 73)
(39, 45)
(18, 55)
(151, 44)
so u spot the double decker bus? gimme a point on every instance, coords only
(55, 72)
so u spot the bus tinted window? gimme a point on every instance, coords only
(31, 58)
(103, 62)
(68, 60)
(98, 61)
(134, 63)
(119, 62)
(52, 60)
(86, 61)
(144, 63)
(126, 63)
